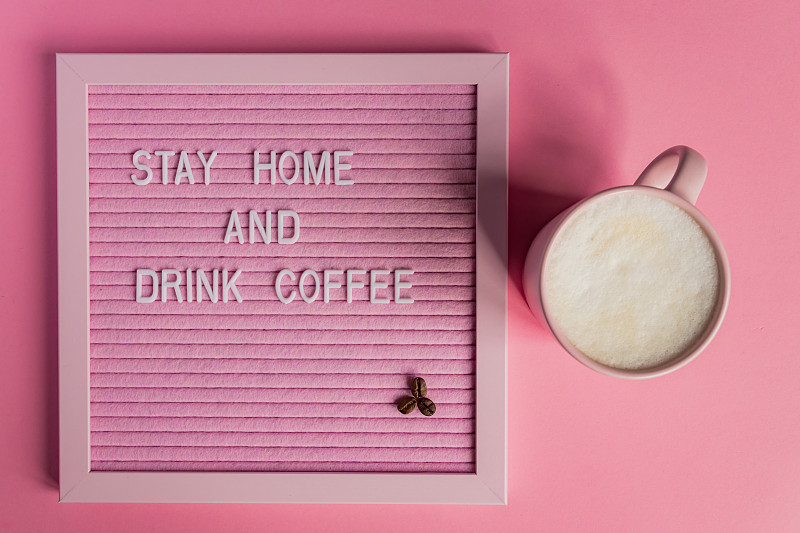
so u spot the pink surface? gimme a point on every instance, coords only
(281, 367)
(597, 90)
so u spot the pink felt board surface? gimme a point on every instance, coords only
(260, 385)
(597, 90)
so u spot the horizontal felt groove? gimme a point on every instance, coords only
(344, 402)
(332, 214)
(338, 133)
(397, 380)
(203, 331)
(417, 354)
(127, 316)
(319, 205)
(239, 453)
(281, 366)
(243, 345)
(298, 264)
(283, 466)
(421, 278)
(266, 447)
(290, 462)
(200, 432)
(283, 89)
(334, 300)
(308, 220)
(298, 249)
(336, 419)
(177, 321)
(352, 141)
(249, 334)
(109, 248)
(100, 227)
(412, 354)
(188, 394)
(155, 394)
(282, 101)
(328, 213)
(294, 117)
(215, 236)
(271, 308)
(359, 147)
(290, 336)
(179, 117)
(313, 351)
(283, 410)
(296, 322)
(228, 389)
(276, 192)
(266, 424)
(233, 323)
(296, 440)
(413, 361)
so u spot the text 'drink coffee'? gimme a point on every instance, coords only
(632, 281)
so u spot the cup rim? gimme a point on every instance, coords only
(723, 292)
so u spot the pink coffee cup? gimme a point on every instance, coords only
(677, 175)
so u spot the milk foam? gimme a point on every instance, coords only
(631, 280)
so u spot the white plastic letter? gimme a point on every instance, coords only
(337, 167)
(206, 165)
(230, 285)
(184, 169)
(140, 166)
(140, 273)
(278, 278)
(255, 222)
(234, 228)
(328, 284)
(284, 155)
(316, 173)
(211, 290)
(257, 166)
(374, 285)
(189, 286)
(352, 284)
(402, 285)
(175, 285)
(281, 238)
(306, 273)
(164, 155)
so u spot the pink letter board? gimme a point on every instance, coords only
(269, 267)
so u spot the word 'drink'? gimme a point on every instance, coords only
(211, 288)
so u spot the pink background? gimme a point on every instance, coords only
(597, 90)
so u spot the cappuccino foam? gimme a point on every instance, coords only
(631, 280)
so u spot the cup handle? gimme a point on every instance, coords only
(679, 170)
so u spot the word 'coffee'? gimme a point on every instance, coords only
(631, 280)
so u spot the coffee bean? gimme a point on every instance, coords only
(407, 404)
(419, 388)
(426, 406)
